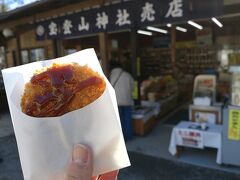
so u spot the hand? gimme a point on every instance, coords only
(81, 166)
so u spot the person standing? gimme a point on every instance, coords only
(123, 84)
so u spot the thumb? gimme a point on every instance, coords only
(81, 166)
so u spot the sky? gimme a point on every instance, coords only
(12, 4)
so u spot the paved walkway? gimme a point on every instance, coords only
(152, 168)
(149, 157)
(156, 144)
(6, 127)
(10, 168)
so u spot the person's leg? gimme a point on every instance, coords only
(121, 114)
(128, 123)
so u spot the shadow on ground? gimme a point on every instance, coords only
(10, 168)
(152, 168)
(143, 167)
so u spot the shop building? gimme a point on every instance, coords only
(48, 29)
(164, 44)
(27, 37)
(159, 43)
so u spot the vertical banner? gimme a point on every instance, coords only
(234, 125)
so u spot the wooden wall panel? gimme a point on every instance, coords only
(11, 52)
(28, 40)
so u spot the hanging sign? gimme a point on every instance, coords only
(234, 125)
(204, 37)
(125, 15)
(189, 138)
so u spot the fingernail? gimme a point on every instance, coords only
(80, 154)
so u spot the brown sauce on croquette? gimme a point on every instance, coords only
(61, 89)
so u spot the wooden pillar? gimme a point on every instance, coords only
(103, 42)
(78, 47)
(58, 48)
(173, 48)
(134, 52)
(18, 50)
(136, 61)
(12, 52)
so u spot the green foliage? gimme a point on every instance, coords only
(3, 8)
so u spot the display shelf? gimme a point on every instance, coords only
(155, 62)
(197, 60)
(143, 119)
(163, 106)
(168, 104)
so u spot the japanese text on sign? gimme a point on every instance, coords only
(190, 138)
(234, 125)
(120, 16)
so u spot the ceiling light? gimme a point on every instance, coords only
(7, 32)
(144, 32)
(181, 29)
(217, 22)
(157, 29)
(169, 25)
(195, 25)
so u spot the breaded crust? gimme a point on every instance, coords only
(60, 89)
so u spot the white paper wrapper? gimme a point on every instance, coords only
(45, 144)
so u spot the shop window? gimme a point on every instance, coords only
(32, 55)
(25, 56)
(37, 54)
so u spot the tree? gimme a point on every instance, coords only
(3, 7)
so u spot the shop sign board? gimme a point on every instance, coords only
(126, 15)
(234, 125)
(189, 138)
(162, 42)
(204, 37)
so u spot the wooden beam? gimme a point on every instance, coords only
(58, 48)
(133, 42)
(173, 48)
(136, 66)
(18, 50)
(103, 42)
(54, 12)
